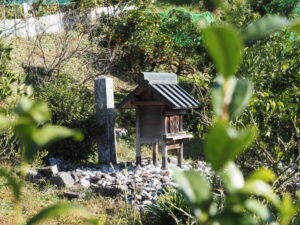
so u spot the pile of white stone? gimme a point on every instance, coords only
(140, 185)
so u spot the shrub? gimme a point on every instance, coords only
(146, 41)
(72, 105)
(11, 11)
(135, 38)
(272, 64)
(4, 56)
(12, 87)
(169, 209)
(282, 7)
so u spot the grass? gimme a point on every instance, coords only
(32, 56)
(35, 197)
(126, 150)
(164, 5)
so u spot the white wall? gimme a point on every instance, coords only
(46, 24)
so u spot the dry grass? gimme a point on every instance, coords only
(42, 53)
(106, 210)
(126, 151)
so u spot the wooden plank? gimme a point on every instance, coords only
(175, 112)
(150, 140)
(176, 124)
(179, 136)
(138, 143)
(181, 123)
(164, 156)
(167, 124)
(170, 142)
(155, 153)
(173, 146)
(180, 155)
(172, 124)
(148, 103)
(162, 119)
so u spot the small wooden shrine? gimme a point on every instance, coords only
(160, 105)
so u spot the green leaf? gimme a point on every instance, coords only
(262, 174)
(264, 27)
(32, 139)
(224, 143)
(58, 210)
(296, 28)
(25, 133)
(287, 209)
(228, 217)
(232, 177)
(241, 96)
(217, 95)
(225, 48)
(258, 208)
(38, 111)
(4, 122)
(12, 182)
(238, 94)
(50, 133)
(260, 188)
(194, 187)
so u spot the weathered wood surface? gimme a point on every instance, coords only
(155, 153)
(180, 155)
(173, 146)
(175, 112)
(164, 156)
(178, 136)
(150, 121)
(138, 140)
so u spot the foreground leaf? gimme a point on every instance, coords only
(58, 210)
(224, 47)
(241, 96)
(24, 133)
(38, 111)
(51, 133)
(238, 94)
(296, 28)
(260, 188)
(218, 96)
(258, 208)
(233, 218)
(263, 27)
(224, 143)
(287, 209)
(12, 182)
(4, 123)
(232, 177)
(262, 174)
(194, 187)
(32, 139)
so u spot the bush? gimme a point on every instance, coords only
(171, 208)
(146, 41)
(282, 7)
(12, 11)
(135, 38)
(272, 64)
(12, 87)
(72, 105)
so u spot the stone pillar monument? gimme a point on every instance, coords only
(105, 108)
